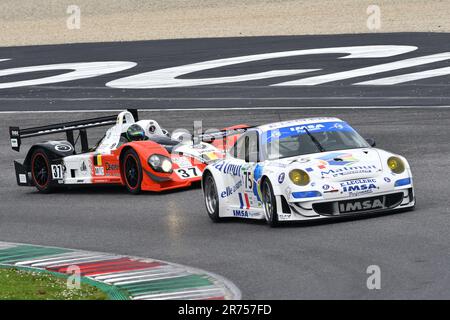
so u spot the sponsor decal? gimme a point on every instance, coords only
(229, 168)
(63, 148)
(99, 171)
(329, 188)
(284, 216)
(309, 169)
(322, 164)
(182, 162)
(111, 166)
(240, 213)
(309, 127)
(339, 159)
(300, 129)
(360, 186)
(244, 213)
(230, 190)
(370, 204)
(14, 143)
(83, 166)
(22, 178)
(281, 177)
(387, 179)
(349, 170)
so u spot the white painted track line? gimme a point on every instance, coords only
(228, 109)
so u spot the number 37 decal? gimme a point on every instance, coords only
(186, 173)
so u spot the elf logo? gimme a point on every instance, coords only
(362, 205)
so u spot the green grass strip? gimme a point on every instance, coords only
(112, 292)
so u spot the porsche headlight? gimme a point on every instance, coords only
(396, 165)
(299, 177)
(160, 163)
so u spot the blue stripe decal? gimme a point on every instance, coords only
(402, 182)
(306, 194)
(241, 201)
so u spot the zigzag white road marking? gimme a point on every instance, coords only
(407, 63)
(407, 77)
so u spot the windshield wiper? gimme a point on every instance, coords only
(317, 143)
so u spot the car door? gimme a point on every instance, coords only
(245, 154)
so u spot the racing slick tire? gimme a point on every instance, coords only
(211, 197)
(132, 171)
(41, 171)
(269, 203)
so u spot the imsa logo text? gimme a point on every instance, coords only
(362, 205)
(240, 213)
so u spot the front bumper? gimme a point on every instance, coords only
(393, 200)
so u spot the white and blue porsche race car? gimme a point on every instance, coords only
(306, 169)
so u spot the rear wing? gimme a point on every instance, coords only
(16, 134)
(220, 134)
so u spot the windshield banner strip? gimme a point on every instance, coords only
(312, 128)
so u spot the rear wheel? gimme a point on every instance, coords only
(270, 204)
(132, 171)
(211, 197)
(40, 171)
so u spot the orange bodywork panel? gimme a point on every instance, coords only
(186, 170)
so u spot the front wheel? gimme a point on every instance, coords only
(211, 197)
(40, 171)
(132, 171)
(270, 204)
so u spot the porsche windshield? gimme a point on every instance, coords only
(311, 138)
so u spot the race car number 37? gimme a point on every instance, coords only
(186, 173)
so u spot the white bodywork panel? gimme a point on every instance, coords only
(361, 173)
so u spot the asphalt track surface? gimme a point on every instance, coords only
(322, 260)
(154, 55)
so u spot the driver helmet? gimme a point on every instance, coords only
(322, 137)
(135, 133)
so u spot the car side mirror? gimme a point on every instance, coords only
(371, 142)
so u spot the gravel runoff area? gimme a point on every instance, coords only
(33, 22)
